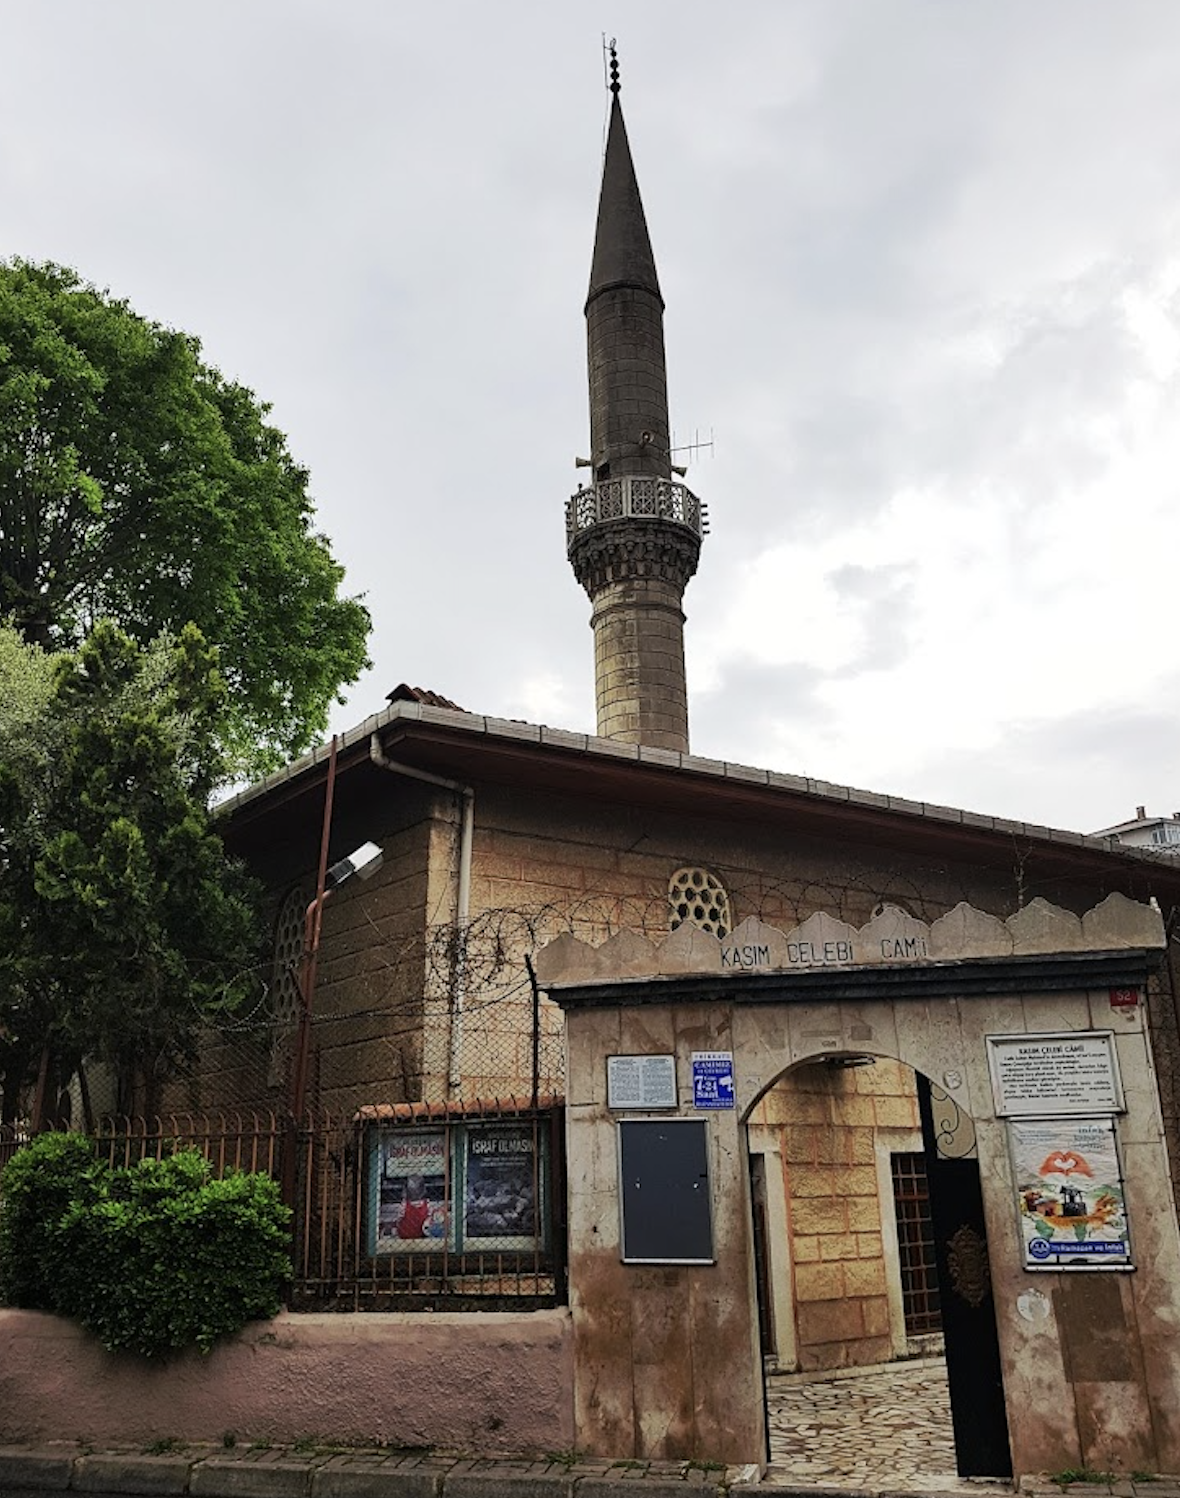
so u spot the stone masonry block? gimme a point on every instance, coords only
(806, 1250)
(855, 1180)
(885, 1077)
(627, 955)
(34, 1470)
(838, 1246)
(754, 944)
(865, 1277)
(967, 932)
(1041, 927)
(832, 1145)
(566, 960)
(812, 1180)
(875, 1313)
(818, 1215)
(800, 1143)
(864, 1214)
(853, 1110)
(829, 1321)
(819, 1281)
(219, 1478)
(1119, 922)
(893, 936)
(895, 1112)
(375, 1482)
(126, 1473)
(516, 1485)
(689, 950)
(784, 1105)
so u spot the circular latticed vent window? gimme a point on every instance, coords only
(698, 897)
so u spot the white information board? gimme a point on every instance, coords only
(1050, 1076)
(644, 1082)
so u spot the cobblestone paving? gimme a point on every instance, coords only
(888, 1426)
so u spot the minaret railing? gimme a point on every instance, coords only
(634, 498)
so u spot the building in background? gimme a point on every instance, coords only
(1160, 834)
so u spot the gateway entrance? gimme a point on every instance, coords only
(668, 1354)
(871, 1252)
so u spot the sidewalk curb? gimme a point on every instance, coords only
(279, 1473)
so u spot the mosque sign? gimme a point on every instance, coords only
(823, 941)
(1068, 1072)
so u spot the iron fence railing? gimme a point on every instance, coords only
(396, 1206)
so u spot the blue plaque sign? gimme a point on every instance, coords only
(712, 1079)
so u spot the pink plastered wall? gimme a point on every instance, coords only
(481, 1383)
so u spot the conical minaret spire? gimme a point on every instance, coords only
(634, 534)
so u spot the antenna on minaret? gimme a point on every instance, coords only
(697, 445)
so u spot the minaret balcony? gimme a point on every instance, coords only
(634, 498)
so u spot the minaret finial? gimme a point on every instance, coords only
(614, 68)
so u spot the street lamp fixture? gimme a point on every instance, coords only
(364, 863)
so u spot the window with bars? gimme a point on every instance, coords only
(915, 1243)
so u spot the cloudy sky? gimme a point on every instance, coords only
(922, 267)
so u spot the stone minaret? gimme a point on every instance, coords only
(634, 534)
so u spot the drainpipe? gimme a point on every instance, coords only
(462, 894)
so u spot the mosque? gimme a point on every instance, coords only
(823, 1029)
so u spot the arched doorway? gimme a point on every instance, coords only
(871, 1254)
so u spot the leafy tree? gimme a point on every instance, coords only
(138, 484)
(123, 925)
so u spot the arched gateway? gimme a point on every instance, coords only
(1034, 1027)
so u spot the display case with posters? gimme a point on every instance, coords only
(468, 1187)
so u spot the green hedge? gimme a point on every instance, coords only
(152, 1258)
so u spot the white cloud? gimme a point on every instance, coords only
(922, 283)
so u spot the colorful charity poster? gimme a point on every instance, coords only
(411, 1190)
(500, 1191)
(1070, 1189)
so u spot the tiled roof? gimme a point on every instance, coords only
(403, 692)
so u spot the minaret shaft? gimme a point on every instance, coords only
(635, 533)
(639, 664)
(628, 383)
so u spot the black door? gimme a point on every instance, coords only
(968, 1311)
